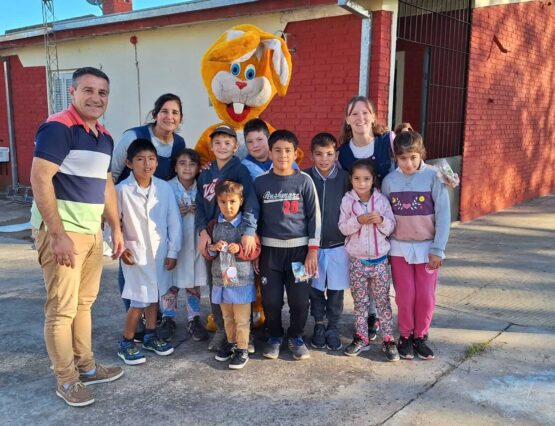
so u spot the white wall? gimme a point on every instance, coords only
(169, 61)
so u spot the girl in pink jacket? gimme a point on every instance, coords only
(367, 220)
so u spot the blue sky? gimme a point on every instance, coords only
(21, 13)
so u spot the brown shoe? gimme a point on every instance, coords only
(102, 375)
(76, 395)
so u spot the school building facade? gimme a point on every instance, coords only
(476, 77)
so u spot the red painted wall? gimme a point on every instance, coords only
(116, 6)
(509, 149)
(326, 63)
(412, 88)
(325, 75)
(30, 109)
(444, 38)
(380, 63)
(5, 175)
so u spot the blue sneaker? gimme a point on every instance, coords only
(298, 348)
(271, 348)
(158, 346)
(130, 354)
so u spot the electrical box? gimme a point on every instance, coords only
(4, 154)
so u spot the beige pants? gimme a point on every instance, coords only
(70, 294)
(237, 321)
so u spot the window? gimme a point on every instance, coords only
(62, 100)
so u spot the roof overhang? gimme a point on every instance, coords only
(164, 16)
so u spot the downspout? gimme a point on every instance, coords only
(11, 127)
(365, 42)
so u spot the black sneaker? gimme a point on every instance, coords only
(239, 359)
(225, 352)
(166, 329)
(405, 347)
(422, 349)
(318, 340)
(356, 347)
(197, 330)
(390, 350)
(373, 326)
(333, 342)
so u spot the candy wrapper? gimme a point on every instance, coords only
(299, 272)
(446, 174)
(228, 267)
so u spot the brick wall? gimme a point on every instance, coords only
(5, 175)
(380, 63)
(30, 109)
(326, 64)
(116, 6)
(509, 150)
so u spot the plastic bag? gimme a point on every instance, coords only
(228, 267)
(446, 174)
(299, 272)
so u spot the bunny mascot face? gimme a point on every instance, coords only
(242, 71)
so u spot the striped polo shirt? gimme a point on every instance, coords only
(84, 160)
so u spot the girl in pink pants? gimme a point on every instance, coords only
(420, 203)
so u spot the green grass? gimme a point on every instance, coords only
(475, 349)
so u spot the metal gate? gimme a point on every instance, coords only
(431, 71)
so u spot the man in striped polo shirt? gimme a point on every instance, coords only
(73, 188)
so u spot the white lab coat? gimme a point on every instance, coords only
(152, 231)
(191, 268)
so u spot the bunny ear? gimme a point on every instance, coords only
(281, 61)
(234, 46)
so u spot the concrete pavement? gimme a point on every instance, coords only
(493, 334)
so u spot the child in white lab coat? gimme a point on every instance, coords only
(151, 227)
(190, 272)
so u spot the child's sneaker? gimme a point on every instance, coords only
(225, 352)
(390, 350)
(197, 330)
(318, 340)
(239, 359)
(422, 349)
(298, 348)
(356, 347)
(251, 349)
(76, 395)
(405, 347)
(333, 342)
(166, 329)
(130, 354)
(158, 346)
(373, 327)
(271, 348)
(218, 340)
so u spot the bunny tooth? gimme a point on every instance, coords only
(238, 108)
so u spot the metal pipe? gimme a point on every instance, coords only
(11, 127)
(365, 55)
(365, 42)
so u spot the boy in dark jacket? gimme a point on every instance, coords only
(326, 294)
(289, 229)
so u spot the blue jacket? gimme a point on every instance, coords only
(164, 163)
(330, 194)
(207, 205)
(381, 159)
